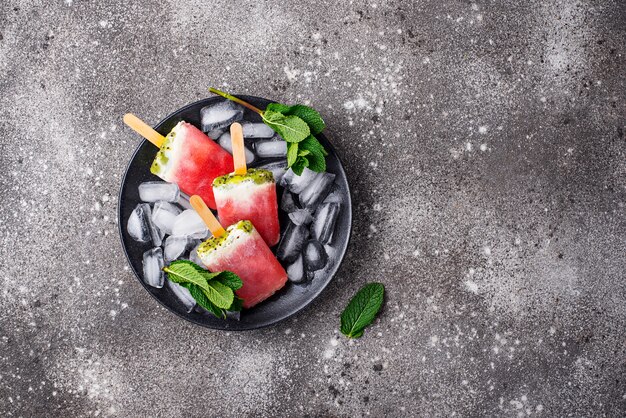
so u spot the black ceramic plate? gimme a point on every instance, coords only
(286, 302)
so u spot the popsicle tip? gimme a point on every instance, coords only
(143, 129)
(239, 150)
(207, 216)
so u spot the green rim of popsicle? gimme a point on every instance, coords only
(159, 165)
(213, 243)
(256, 175)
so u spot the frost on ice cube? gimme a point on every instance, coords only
(256, 130)
(220, 115)
(315, 256)
(324, 222)
(189, 223)
(292, 241)
(182, 293)
(215, 133)
(278, 169)
(296, 184)
(288, 202)
(295, 270)
(152, 191)
(317, 190)
(152, 265)
(301, 217)
(175, 247)
(137, 226)
(225, 142)
(269, 149)
(163, 216)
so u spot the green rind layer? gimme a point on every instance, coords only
(214, 243)
(256, 175)
(159, 165)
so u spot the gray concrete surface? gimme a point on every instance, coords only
(485, 146)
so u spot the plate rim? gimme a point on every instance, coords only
(265, 324)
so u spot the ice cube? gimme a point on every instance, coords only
(269, 149)
(287, 179)
(215, 133)
(324, 223)
(301, 217)
(189, 223)
(183, 201)
(156, 233)
(334, 196)
(315, 256)
(296, 184)
(193, 256)
(256, 130)
(317, 190)
(175, 247)
(152, 265)
(292, 241)
(220, 115)
(163, 216)
(225, 142)
(200, 235)
(295, 270)
(287, 202)
(137, 225)
(278, 169)
(182, 293)
(152, 191)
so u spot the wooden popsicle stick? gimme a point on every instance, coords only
(207, 216)
(143, 129)
(239, 151)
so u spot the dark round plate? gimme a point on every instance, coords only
(286, 302)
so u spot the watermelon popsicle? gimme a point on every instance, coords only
(186, 157)
(247, 194)
(240, 249)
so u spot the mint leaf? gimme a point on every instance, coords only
(309, 115)
(229, 279)
(315, 157)
(202, 300)
(298, 166)
(306, 113)
(183, 271)
(312, 144)
(237, 305)
(316, 162)
(218, 293)
(362, 310)
(278, 107)
(290, 128)
(292, 153)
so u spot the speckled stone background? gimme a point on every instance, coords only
(485, 146)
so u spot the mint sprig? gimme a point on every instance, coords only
(362, 310)
(297, 125)
(290, 128)
(215, 292)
